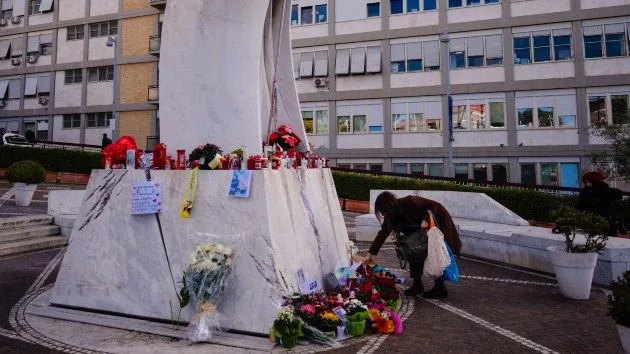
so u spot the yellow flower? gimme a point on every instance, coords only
(329, 316)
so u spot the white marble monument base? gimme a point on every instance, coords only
(116, 261)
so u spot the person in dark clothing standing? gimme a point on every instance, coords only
(598, 198)
(106, 141)
(2, 132)
(406, 215)
(30, 136)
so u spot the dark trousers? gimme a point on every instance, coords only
(415, 272)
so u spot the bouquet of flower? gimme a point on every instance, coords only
(355, 317)
(286, 327)
(204, 154)
(384, 320)
(205, 279)
(284, 137)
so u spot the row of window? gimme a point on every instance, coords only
(476, 51)
(92, 120)
(40, 44)
(397, 7)
(613, 105)
(306, 16)
(35, 7)
(359, 60)
(96, 74)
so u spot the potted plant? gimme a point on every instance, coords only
(356, 316)
(619, 308)
(574, 263)
(286, 327)
(205, 154)
(25, 176)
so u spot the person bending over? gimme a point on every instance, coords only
(407, 215)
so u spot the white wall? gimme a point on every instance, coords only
(65, 135)
(591, 4)
(543, 137)
(32, 103)
(66, 95)
(307, 85)
(310, 31)
(68, 51)
(359, 82)
(417, 19)
(103, 7)
(535, 7)
(42, 60)
(94, 136)
(99, 50)
(34, 20)
(100, 93)
(358, 26)
(426, 78)
(71, 9)
(474, 13)
(347, 10)
(607, 66)
(475, 138)
(475, 75)
(319, 141)
(417, 140)
(544, 70)
(360, 141)
(12, 105)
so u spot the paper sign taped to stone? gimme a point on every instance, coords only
(146, 198)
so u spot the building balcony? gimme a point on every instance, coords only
(154, 45)
(158, 4)
(153, 94)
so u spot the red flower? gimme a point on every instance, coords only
(285, 130)
(273, 138)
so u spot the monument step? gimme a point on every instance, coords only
(32, 244)
(25, 221)
(22, 233)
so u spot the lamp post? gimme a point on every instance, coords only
(112, 42)
(444, 38)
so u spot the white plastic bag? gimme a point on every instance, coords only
(437, 254)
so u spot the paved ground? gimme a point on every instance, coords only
(38, 205)
(493, 308)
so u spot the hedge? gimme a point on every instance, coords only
(58, 160)
(529, 204)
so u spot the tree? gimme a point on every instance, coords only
(615, 161)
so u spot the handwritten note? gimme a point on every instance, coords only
(146, 198)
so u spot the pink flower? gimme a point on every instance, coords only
(307, 309)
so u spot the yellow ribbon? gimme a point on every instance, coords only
(189, 195)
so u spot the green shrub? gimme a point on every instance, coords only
(58, 160)
(29, 172)
(569, 220)
(619, 300)
(529, 204)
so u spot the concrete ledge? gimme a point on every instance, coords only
(465, 205)
(65, 202)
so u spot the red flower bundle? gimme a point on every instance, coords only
(284, 137)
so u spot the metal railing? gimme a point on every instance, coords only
(153, 94)
(67, 146)
(154, 44)
(470, 182)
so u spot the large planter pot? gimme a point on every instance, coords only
(24, 193)
(356, 328)
(624, 335)
(574, 272)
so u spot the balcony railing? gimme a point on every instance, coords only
(154, 45)
(153, 94)
(158, 4)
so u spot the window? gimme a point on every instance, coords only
(457, 53)
(15, 89)
(315, 121)
(522, 51)
(455, 3)
(359, 124)
(374, 129)
(344, 165)
(460, 117)
(528, 174)
(400, 168)
(545, 117)
(376, 167)
(562, 47)
(343, 124)
(567, 121)
(499, 173)
(33, 7)
(396, 6)
(597, 109)
(294, 15)
(435, 170)
(36, 86)
(593, 46)
(101, 73)
(307, 15)
(417, 169)
(98, 120)
(477, 51)
(373, 9)
(542, 48)
(497, 115)
(620, 109)
(615, 46)
(477, 116)
(75, 32)
(71, 121)
(408, 57)
(461, 3)
(480, 172)
(461, 171)
(525, 117)
(549, 174)
(414, 6)
(74, 76)
(399, 123)
(103, 29)
(321, 13)
(7, 14)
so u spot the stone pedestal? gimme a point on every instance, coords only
(116, 261)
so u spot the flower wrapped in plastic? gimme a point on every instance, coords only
(356, 315)
(205, 279)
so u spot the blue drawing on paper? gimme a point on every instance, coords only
(240, 183)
